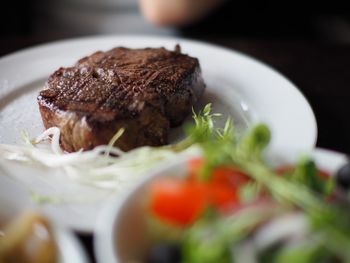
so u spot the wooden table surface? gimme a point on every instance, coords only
(321, 71)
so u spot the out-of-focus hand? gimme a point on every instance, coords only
(176, 12)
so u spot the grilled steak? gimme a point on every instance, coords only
(145, 91)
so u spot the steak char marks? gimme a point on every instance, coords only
(145, 91)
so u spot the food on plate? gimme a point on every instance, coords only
(144, 91)
(28, 239)
(231, 206)
(106, 166)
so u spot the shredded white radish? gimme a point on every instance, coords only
(285, 227)
(96, 168)
(54, 132)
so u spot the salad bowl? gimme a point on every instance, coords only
(122, 232)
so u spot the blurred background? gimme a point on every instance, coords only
(56, 19)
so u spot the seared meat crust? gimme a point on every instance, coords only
(146, 91)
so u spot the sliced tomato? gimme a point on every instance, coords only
(178, 201)
(230, 176)
(222, 197)
(194, 168)
(323, 174)
(227, 175)
(182, 201)
(284, 169)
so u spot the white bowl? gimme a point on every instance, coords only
(119, 235)
(14, 201)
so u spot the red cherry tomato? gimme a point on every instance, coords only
(178, 201)
(229, 176)
(222, 197)
(182, 201)
(323, 174)
(284, 169)
(194, 168)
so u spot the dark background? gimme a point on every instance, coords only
(314, 21)
(307, 20)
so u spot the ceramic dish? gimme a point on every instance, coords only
(120, 232)
(237, 85)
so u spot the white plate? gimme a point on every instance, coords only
(13, 202)
(236, 85)
(120, 232)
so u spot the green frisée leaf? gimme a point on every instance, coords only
(254, 143)
(205, 242)
(211, 240)
(216, 142)
(312, 251)
(249, 192)
(227, 134)
(160, 231)
(204, 128)
(217, 153)
(225, 149)
(332, 222)
(306, 173)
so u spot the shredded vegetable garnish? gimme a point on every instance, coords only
(107, 166)
(54, 132)
(113, 141)
(94, 167)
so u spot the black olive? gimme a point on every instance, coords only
(343, 177)
(165, 253)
